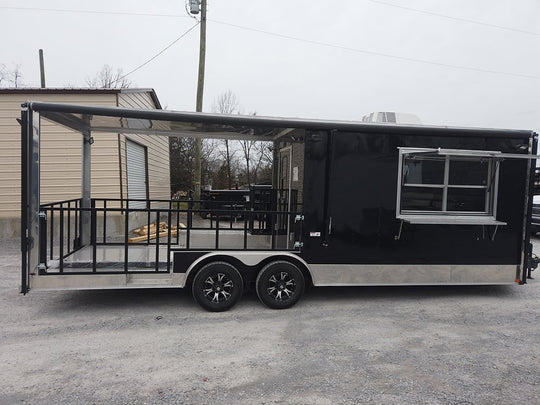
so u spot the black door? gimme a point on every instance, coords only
(350, 197)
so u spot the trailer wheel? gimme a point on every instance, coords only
(217, 286)
(280, 285)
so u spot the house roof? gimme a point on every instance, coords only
(81, 90)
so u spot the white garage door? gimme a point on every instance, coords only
(136, 174)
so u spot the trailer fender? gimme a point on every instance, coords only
(246, 258)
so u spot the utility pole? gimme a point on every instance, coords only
(42, 68)
(200, 91)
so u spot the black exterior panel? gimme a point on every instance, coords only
(183, 259)
(350, 188)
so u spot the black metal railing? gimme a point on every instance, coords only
(59, 228)
(170, 225)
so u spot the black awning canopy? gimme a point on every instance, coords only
(83, 118)
(157, 122)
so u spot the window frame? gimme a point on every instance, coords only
(486, 217)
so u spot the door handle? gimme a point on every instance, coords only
(330, 227)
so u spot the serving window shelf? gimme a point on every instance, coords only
(450, 219)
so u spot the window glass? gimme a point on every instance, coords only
(423, 170)
(422, 198)
(466, 199)
(469, 172)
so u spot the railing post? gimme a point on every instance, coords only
(77, 243)
(158, 229)
(93, 223)
(217, 231)
(169, 225)
(104, 221)
(273, 218)
(61, 236)
(43, 237)
(126, 234)
(247, 213)
(51, 235)
(69, 227)
(189, 219)
(148, 222)
(178, 222)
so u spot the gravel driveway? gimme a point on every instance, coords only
(391, 345)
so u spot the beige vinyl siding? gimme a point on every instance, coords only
(60, 154)
(130, 98)
(157, 148)
(10, 158)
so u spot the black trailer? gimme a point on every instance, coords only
(214, 200)
(379, 205)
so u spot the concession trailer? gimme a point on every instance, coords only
(374, 204)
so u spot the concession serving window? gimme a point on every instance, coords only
(448, 186)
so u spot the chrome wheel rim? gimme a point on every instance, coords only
(218, 288)
(281, 286)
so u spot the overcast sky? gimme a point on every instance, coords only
(300, 58)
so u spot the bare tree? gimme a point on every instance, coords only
(263, 162)
(247, 147)
(256, 161)
(107, 78)
(17, 74)
(226, 103)
(12, 76)
(3, 74)
(182, 164)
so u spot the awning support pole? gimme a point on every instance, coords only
(86, 172)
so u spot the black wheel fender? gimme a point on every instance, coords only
(217, 286)
(280, 284)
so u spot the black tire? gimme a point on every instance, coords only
(217, 286)
(280, 284)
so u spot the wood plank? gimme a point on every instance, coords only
(153, 236)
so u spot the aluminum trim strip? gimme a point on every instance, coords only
(400, 274)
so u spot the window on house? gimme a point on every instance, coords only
(447, 186)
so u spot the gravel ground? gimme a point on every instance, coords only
(401, 345)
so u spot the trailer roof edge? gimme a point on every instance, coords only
(68, 113)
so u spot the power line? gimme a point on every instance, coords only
(466, 20)
(381, 54)
(384, 3)
(416, 60)
(157, 54)
(59, 10)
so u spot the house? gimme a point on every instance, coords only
(126, 166)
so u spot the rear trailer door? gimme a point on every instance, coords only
(30, 226)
